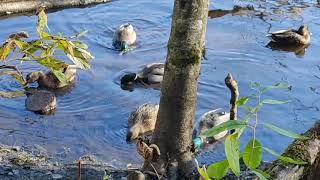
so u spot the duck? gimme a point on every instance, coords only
(124, 37)
(49, 80)
(216, 117)
(291, 36)
(142, 121)
(151, 74)
(41, 102)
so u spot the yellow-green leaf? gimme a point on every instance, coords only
(218, 170)
(261, 174)
(11, 94)
(284, 132)
(231, 148)
(252, 154)
(5, 50)
(284, 158)
(228, 125)
(42, 22)
(60, 76)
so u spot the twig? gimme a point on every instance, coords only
(79, 170)
(233, 87)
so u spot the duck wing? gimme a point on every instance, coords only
(285, 36)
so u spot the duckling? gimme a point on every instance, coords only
(151, 74)
(142, 121)
(291, 36)
(49, 80)
(124, 37)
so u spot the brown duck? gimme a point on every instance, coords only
(291, 36)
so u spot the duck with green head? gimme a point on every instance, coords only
(151, 74)
(291, 36)
(124, 37)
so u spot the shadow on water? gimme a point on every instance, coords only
(92, 117)
(298, 50)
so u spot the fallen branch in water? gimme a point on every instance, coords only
(20, 6)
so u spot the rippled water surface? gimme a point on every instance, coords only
(92, 117)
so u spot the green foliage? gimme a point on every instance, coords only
(218, 170)
(43, 50)
(231, 149)
(283, 158)
(261, 174)
(252, 153)
(284, 132)
(228, 125)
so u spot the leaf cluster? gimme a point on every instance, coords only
(253, 151)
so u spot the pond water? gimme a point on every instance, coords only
(92, 117)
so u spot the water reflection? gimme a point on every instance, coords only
(299, 50)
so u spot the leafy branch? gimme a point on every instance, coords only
(43, 51)
(252, 153)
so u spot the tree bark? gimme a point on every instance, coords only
(21, 6)
(173, 131)
(304, 150)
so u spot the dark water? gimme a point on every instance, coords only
(92, 118)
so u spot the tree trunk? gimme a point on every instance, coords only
(304, 150)
(173, 131)
(20, 6)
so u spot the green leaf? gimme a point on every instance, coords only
(283, 158)
(203, 173)
(242, 101)
(218, 170)
(42, 22)
(261, 174)
(79, 62)
(5, 50)
(228, 125)
(254, 85)
(231, 148)
(252, 154)
(60, 76)
(79, 44)
(17, 76)
(272, 101)
(11, 94)
(284, 132)
(51, 62)
(276, 86)
(82, 33)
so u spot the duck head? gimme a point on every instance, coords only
(124, 47)
(304, 30)
(33, 77)
(129, 78)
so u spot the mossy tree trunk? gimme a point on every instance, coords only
(21, 6)
(304, 150)
(173, 132)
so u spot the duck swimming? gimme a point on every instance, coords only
(142, 121)
(291, 36)
(124, 37)
(216, 117)
(49, 80)
(41, 102)
(151, 74)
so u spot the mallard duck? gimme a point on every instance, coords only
(215, 117)
(41, 102)
(124, 37)
(291, 36)
(151, 74)
(49, 80)
(211, 119)
(142, 121)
